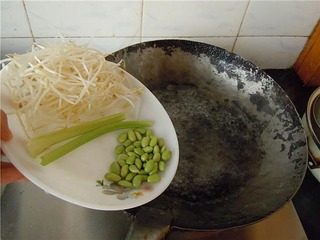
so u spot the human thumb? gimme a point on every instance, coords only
(6, 134)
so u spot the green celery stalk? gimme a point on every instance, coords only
(37, 145)
(86, 137)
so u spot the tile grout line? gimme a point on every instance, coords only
(141, 20)
(237, 36)
(221, 36)
(28, 20)
(171, 37)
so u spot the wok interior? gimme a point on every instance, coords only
(242, 147)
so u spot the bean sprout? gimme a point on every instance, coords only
(65, 84)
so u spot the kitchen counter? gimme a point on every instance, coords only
(283, 225)
(306, 203)
(27, 212)
(307, 199)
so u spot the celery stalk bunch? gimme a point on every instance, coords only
(77, 136)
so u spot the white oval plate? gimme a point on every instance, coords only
(73, 177)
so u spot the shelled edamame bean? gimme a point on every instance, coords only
(140, 156)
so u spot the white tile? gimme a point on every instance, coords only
(222, 42)
(14, 21)
(107, 45)
(15, 45)
(270, 52)
(282, 18)
(85, 18)
(192, 18)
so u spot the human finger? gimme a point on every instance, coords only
(10, 174)
(6, 134)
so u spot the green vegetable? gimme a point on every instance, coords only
(149, 166)
(132, 154)
(155, 169)
(166, 155)
(160, 142)
(112, 177)
(138, 163)
(130, 176)
(37, 145)
(145, 141)
(124, 171)
(130, 148)
(125, 183)
(132, 136)
(88, 136)
(153, 141)
(115, 168)
(138, 135)
(130, 160)
(121, 162)
(156, 149)
(122, 137)
(133, 169)
(162, 165)
(138, 151)
(127, 143)
(156, 157)
(154, 178)
(141, 130)
(148, 149)
(137, 144)
(136, 182)
(145, 156)
(119, 149)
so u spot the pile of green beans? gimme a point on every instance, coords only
(141, 156)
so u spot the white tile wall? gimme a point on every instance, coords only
(14, 22)
(280, 18)
(85, 18)
(269, 33)
(270, 52)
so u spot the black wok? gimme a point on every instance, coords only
(242, 146)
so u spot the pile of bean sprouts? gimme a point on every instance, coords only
(64, 84)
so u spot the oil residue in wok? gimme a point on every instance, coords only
(219, 144)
